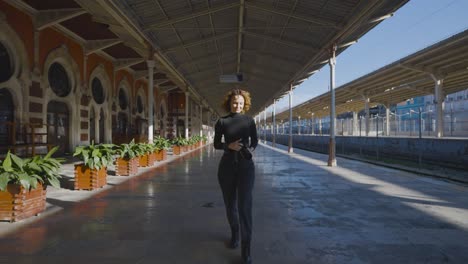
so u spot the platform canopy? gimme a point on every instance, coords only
(270, 43)
(273, 43)
(396, 82)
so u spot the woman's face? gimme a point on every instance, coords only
(237, 104)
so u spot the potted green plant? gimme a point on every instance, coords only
(191, 142)
(147, 157)
(126, 163)
(204, 139)
(198, 141)
(178, 145)
(47, 168)
(161, 145)
(92, 172)
(23, 184)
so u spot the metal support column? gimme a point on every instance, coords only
(201, 120)
(355, 124)
(290, 147)
(273, 142)
(439, 104)
(367, 123)
(264, 126)
(313, 124)
(320, 126)
(387, 117)
(186, 114)
(332, 144)
(298, 125)
(151, 64)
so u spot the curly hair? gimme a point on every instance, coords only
(226, 105)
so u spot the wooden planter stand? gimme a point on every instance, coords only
(88, 179)
(147, 160)
(17, 203)
(124, 167)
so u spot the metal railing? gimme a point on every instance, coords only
(412, 124)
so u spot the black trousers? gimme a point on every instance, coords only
(236, 177)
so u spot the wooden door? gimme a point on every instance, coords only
(58, 120)
(92, 127)
(101, 126)
(7, 114)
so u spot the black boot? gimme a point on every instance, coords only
(234, 243)
(246, 258)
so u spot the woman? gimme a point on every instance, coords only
(236, 172)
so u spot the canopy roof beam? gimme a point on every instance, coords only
(191, 16)
(49, 18)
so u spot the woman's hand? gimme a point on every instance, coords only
(236, 145)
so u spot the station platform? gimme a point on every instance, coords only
(304, 212)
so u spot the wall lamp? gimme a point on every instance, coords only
(378, 19)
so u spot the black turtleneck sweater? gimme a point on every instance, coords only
(235, 126)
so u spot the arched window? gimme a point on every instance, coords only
(98, 91)
(58, 80)
(123, 100)
(6, 64)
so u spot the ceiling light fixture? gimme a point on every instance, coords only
(231, 78)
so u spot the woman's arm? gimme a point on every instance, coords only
(253, 134)
(218, 134)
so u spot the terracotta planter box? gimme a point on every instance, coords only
(200, 144)
(160, 155)
(17, 203)
(147, 160)
(125, 167)
(88, 179)
(177, 150)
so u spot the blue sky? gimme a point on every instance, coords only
(418, 24)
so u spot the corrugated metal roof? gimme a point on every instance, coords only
(282, 40)
(401, 80)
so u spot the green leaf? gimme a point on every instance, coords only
(17, 161)
(33, 183)
(54, 182)
(95, 153)
(51, 152)
(7, 163)
(4, 179)
(25, 180)
(34, 166)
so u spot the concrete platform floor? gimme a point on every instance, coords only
(304, 212)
